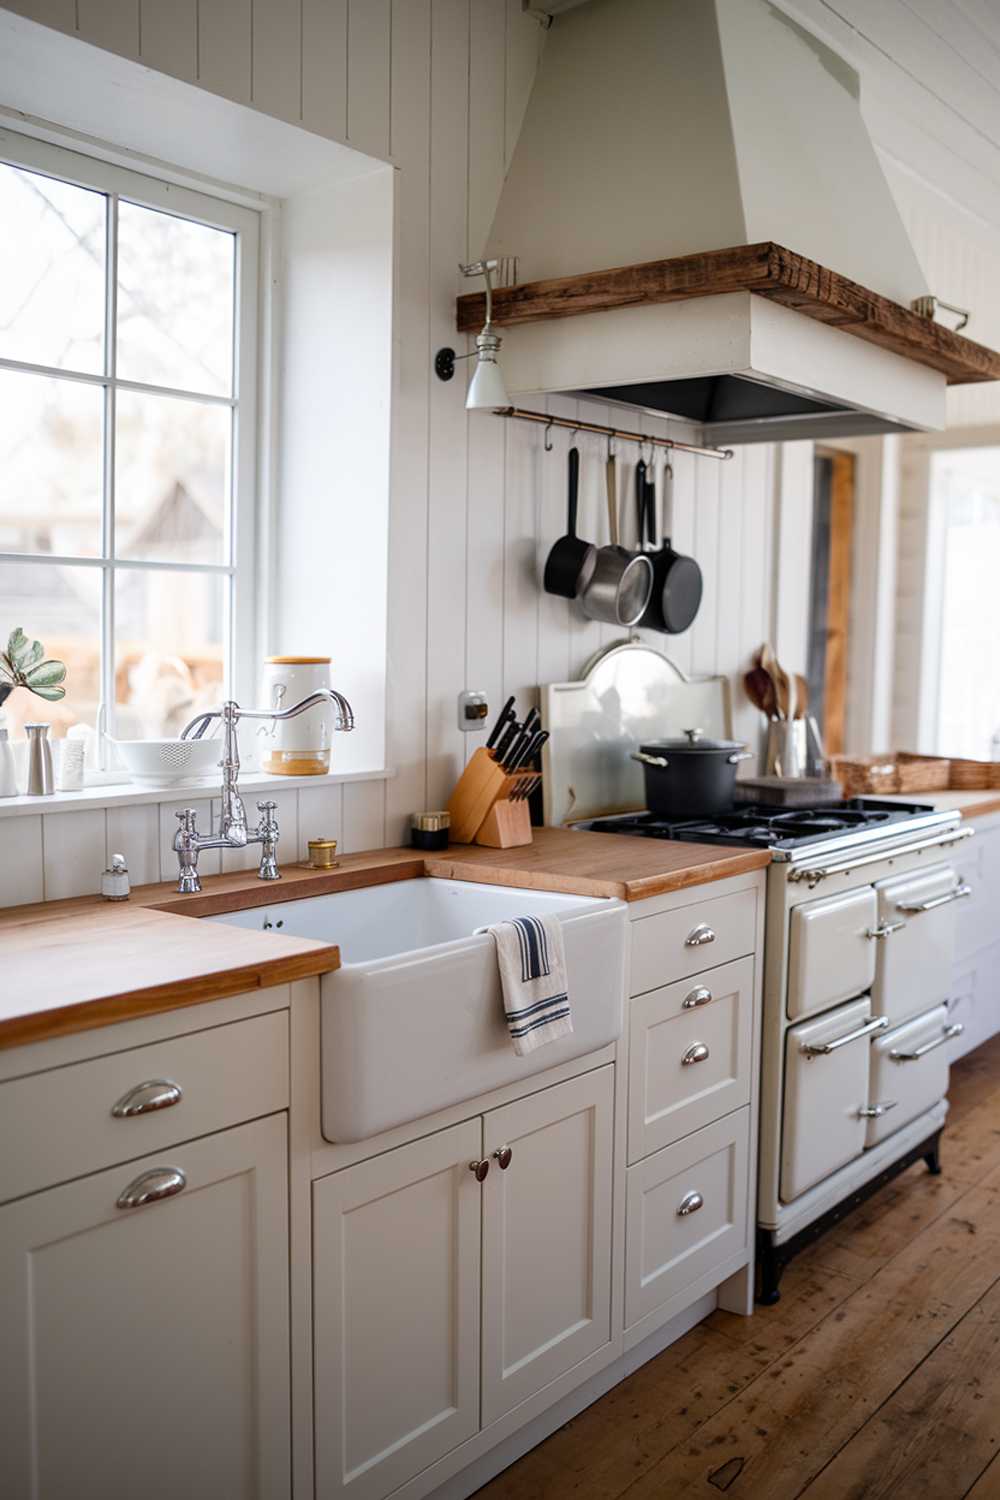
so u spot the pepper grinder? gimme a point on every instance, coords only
(40, 779)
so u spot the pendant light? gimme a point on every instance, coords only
(486, 388)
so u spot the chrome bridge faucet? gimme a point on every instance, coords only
(234, 832)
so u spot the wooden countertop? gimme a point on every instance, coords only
(969, 804)
(72, 965)
(597, 864)
(101, 962)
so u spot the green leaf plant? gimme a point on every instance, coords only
(23, 664)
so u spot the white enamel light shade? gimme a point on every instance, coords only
(486, 388)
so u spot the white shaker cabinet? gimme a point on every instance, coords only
(435, 1290)
(396, 1307)
(144, 1348)
(546, 1237)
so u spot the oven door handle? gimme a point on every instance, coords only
(884, 929)
(948, 1034)
(914, 908)
(823, 1049)
(814, 875)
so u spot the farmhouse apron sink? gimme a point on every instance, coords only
(413, 1021)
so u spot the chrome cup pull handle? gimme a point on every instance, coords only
(699, 936)
(700, 995)
(155, 1093)
(690, 1204)
(151, 1187)
(696, 1054)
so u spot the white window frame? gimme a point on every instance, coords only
(240, 571)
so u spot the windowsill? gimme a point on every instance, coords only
(128, 795)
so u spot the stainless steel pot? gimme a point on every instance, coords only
(622, 581)
(690, 777)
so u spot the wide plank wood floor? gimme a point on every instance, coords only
(877, 1374)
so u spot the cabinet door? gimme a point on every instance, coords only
(546, 1237)
(689, 1055)
(396, 1248)
(145, 1349)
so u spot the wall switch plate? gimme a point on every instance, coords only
(473, 711)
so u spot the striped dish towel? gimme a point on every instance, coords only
(533, 979)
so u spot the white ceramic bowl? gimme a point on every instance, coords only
(168, 762)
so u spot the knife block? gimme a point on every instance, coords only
(480, 809)
(506, 826)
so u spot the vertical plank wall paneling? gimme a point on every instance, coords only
(441, 86)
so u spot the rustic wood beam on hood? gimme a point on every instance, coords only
(766, 269)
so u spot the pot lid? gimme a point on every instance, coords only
(692, 741)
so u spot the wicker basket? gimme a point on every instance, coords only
(974, 775)
(879, 775)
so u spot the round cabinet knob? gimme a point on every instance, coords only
(480, 1168)
(504, 1155)
(696, 1054)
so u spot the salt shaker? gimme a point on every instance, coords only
(8, 770)
(40, 781)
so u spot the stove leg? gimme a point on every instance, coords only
(771, 1267)
(933, 1157)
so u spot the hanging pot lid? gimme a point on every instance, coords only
(693, 741)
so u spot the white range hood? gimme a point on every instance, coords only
(668, 128)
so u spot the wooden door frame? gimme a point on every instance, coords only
(843, 484)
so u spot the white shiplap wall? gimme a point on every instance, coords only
(440, 86)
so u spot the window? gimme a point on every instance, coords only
(127, 438)
(963, 567)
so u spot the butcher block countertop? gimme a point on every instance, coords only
(597, 864)
(72, 965)
(970, 804)
(102, 962)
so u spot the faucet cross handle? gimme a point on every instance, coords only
(188, 819)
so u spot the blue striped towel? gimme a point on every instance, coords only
(533, 979)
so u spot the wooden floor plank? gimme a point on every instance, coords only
(881, 1328)
(938, 1431)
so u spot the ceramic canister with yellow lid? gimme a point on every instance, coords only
(299, 746)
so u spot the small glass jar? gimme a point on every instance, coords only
(299, 746)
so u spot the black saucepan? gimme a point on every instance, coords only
(571, 562)
(677, 580)
(690, 777)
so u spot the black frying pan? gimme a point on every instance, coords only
(570, 565)
(677, 580)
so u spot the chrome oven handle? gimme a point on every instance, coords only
(813, 876)
(914, 908)
(823, 1049)
(884, 929)
(948, 1034)
(876, 1111)
(155, 1093)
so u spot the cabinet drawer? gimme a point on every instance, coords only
(63, 1120)
(686, 1216)
(675, 944)
(689, 1055)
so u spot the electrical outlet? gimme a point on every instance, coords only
(473, 711)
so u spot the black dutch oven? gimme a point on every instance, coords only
(692, 776)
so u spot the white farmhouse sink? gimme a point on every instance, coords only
(413, 1022)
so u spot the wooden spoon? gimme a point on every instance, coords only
(760, 691)
(782, 688)
(801, 697)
